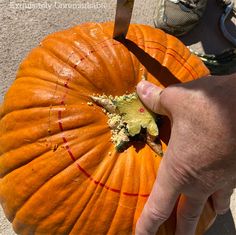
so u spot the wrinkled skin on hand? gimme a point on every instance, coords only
(200, 161)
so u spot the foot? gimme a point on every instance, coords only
(178, 17)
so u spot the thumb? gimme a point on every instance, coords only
(150, 95)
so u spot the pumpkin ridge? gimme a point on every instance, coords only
(171, 49)
(189, 71)
(18, 166)
(86, 56)
(65, 62)
(55, 108)
(110, 43)
(47, 181)
(185, 60)
(113, 224)
(26, 108)
(142, 37)
(49, 157)
(43, 135)
(99, 194)
(89, 176)
(94, 47)
(97, 188)
(156, 42)
(44, 152)
(167, 48)
(136, 40)
(65, 84)
(19, 144)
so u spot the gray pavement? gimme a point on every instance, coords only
(22, 29)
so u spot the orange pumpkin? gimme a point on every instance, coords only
(60, 172)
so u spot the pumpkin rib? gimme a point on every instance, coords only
(56, 74)
(59, 56)
(133, 58)
(116, 214)
(107, 45)
(36, 75)
(97, 188)
(47, 179)
(164, 53)
(74, 69)
(67, 197)
(168, 53)
(159, 43)
(73, 93)
(8, 135)
(137, 40)
(173, 50)
(90, 201)
(121, 190)
(49, 182)
(182, 61)
(94, 50)
(142, 39)
(166, 47)
(72, 89)
(181, 57)
(9, 106)
(98, 182)
(75, 226)
(59, 145)
(58, 131)
(104, 190)
(24, 109)
(9, 170)
(56, 109)
(153, 48)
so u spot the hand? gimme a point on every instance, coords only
(200, 160)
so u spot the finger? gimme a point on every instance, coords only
(221, 200)
(188, 213)
(160, 203)
(150, 96)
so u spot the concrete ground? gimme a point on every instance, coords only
(22, 27)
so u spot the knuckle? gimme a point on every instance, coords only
(186, 176)
(157, 215)
(190, 218)
(180, 174)
(169, 95)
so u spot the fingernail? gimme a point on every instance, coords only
(143, 87)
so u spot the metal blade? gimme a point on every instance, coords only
(124, 11)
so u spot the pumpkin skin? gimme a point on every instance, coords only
(60, 172)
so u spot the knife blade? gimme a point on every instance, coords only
(124, 9)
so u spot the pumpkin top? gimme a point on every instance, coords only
(129, 120)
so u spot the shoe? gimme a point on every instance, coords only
(177, 17)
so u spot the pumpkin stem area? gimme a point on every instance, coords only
(130, 121)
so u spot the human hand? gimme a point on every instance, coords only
(200, 160)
